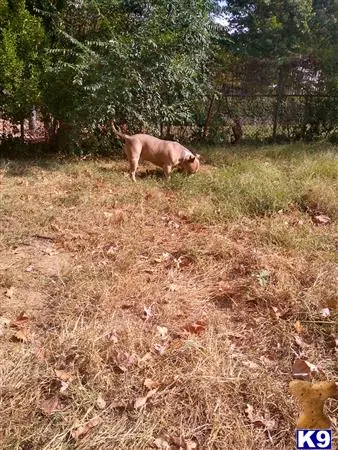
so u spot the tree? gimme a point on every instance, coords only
(22, 60)
(276, 31)
(324, 38)
(140, 62)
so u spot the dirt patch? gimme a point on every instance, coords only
(22, 299)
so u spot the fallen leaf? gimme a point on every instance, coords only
(164, 257)
(183, 261)
(300, 342)
(147, 357)
(4, 323)
(141, 401)
(177, 442)
(312, 367)
(299, 327)
(112, 249)
(163, 332)
(9, 292)
(147, 313)
(267, 361)
(321, 220)
(100, 402)
(63, 375)
(196, 327)
(111, 336)
(123, 361)
(325, 312)
(190, 445)
(303, 369)
(259, 420)
(64, 386)
(21, 320)
(49, 406)
(161, 348)
(21, 335)
(277, 312)
(151, 384)
(161, 444)
(172, 287)
(250, 364)
(81, 430)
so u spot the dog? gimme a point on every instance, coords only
(164, 154)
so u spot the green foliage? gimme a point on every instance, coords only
(22, 59)
(269, 28)
(140, 63)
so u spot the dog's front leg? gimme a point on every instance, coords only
(167, 171)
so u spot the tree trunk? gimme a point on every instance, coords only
(169, 136)
(208, 118)
(22, 130)
(276, 112)
(32, 120)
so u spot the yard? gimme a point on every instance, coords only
(166, 314)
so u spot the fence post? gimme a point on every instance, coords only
(280, 88)
(208, 118)
(22, 130)
(305, 116)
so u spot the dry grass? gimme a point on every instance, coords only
(234, 246)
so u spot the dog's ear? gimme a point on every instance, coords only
(197, 155)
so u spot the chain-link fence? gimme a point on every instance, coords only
(269, 117)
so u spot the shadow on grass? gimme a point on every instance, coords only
(19, 158)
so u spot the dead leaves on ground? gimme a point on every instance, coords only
(163, 332)
(175, 443)
(81, 430)
(151, 384)
(4, 323)
(259, 420)
(65, 378)
(321, 219)
(9, 292)
(148, 312)
(123, 361)
(22, 333)
(175, 260)
(20, 321)
(50, 405)
(303, 370)
(100, 402)
(140, 402)
(197, 327)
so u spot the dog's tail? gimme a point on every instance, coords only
(118, 133)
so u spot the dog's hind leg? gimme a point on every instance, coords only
(133, 152)
(133, 167)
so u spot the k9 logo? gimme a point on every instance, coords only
(314, 439)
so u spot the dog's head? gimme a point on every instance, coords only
(190, 163)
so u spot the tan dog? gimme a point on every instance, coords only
(164, 154)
